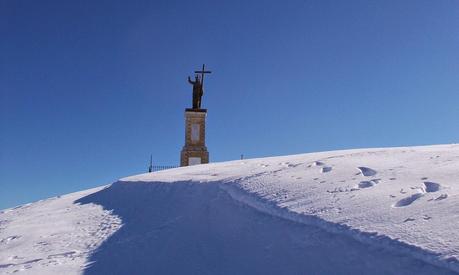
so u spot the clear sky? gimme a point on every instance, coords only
(88, 89)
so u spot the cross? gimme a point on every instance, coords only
(202, 72)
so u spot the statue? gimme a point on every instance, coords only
(197, 92)
(198, 85)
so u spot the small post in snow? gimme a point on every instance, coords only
(150, 168)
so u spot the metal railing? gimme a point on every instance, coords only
(155, 168)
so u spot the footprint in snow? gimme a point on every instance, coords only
(368, 183)
(42, 243)
(325, 169)
(318, 163)
(408, 200)
(365, 184)
(63, 255)
(367, 172)
(442, 197)
(9, 239)
(288, 164)
(426, 217)
(431, 186)
(292, 165)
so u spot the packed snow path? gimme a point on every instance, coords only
(378, 211)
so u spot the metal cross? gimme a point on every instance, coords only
(202, 72)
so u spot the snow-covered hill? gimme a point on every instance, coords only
(367, 211)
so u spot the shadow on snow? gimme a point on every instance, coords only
(193, 228)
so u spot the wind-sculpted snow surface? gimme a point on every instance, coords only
(367, 211)
(53, 236)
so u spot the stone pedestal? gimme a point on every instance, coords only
(195, 150)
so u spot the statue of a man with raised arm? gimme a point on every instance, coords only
(197, 92)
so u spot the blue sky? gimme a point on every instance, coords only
(88, 89)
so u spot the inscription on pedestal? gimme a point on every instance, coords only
(194, 161)
(195, 132)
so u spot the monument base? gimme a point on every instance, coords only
(195, 150)
(188, 157)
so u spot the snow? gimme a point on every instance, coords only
(378, 211)
(53, 236)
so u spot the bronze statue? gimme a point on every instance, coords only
(197, 92)
(198, 85)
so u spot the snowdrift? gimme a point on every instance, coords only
(378, 211)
